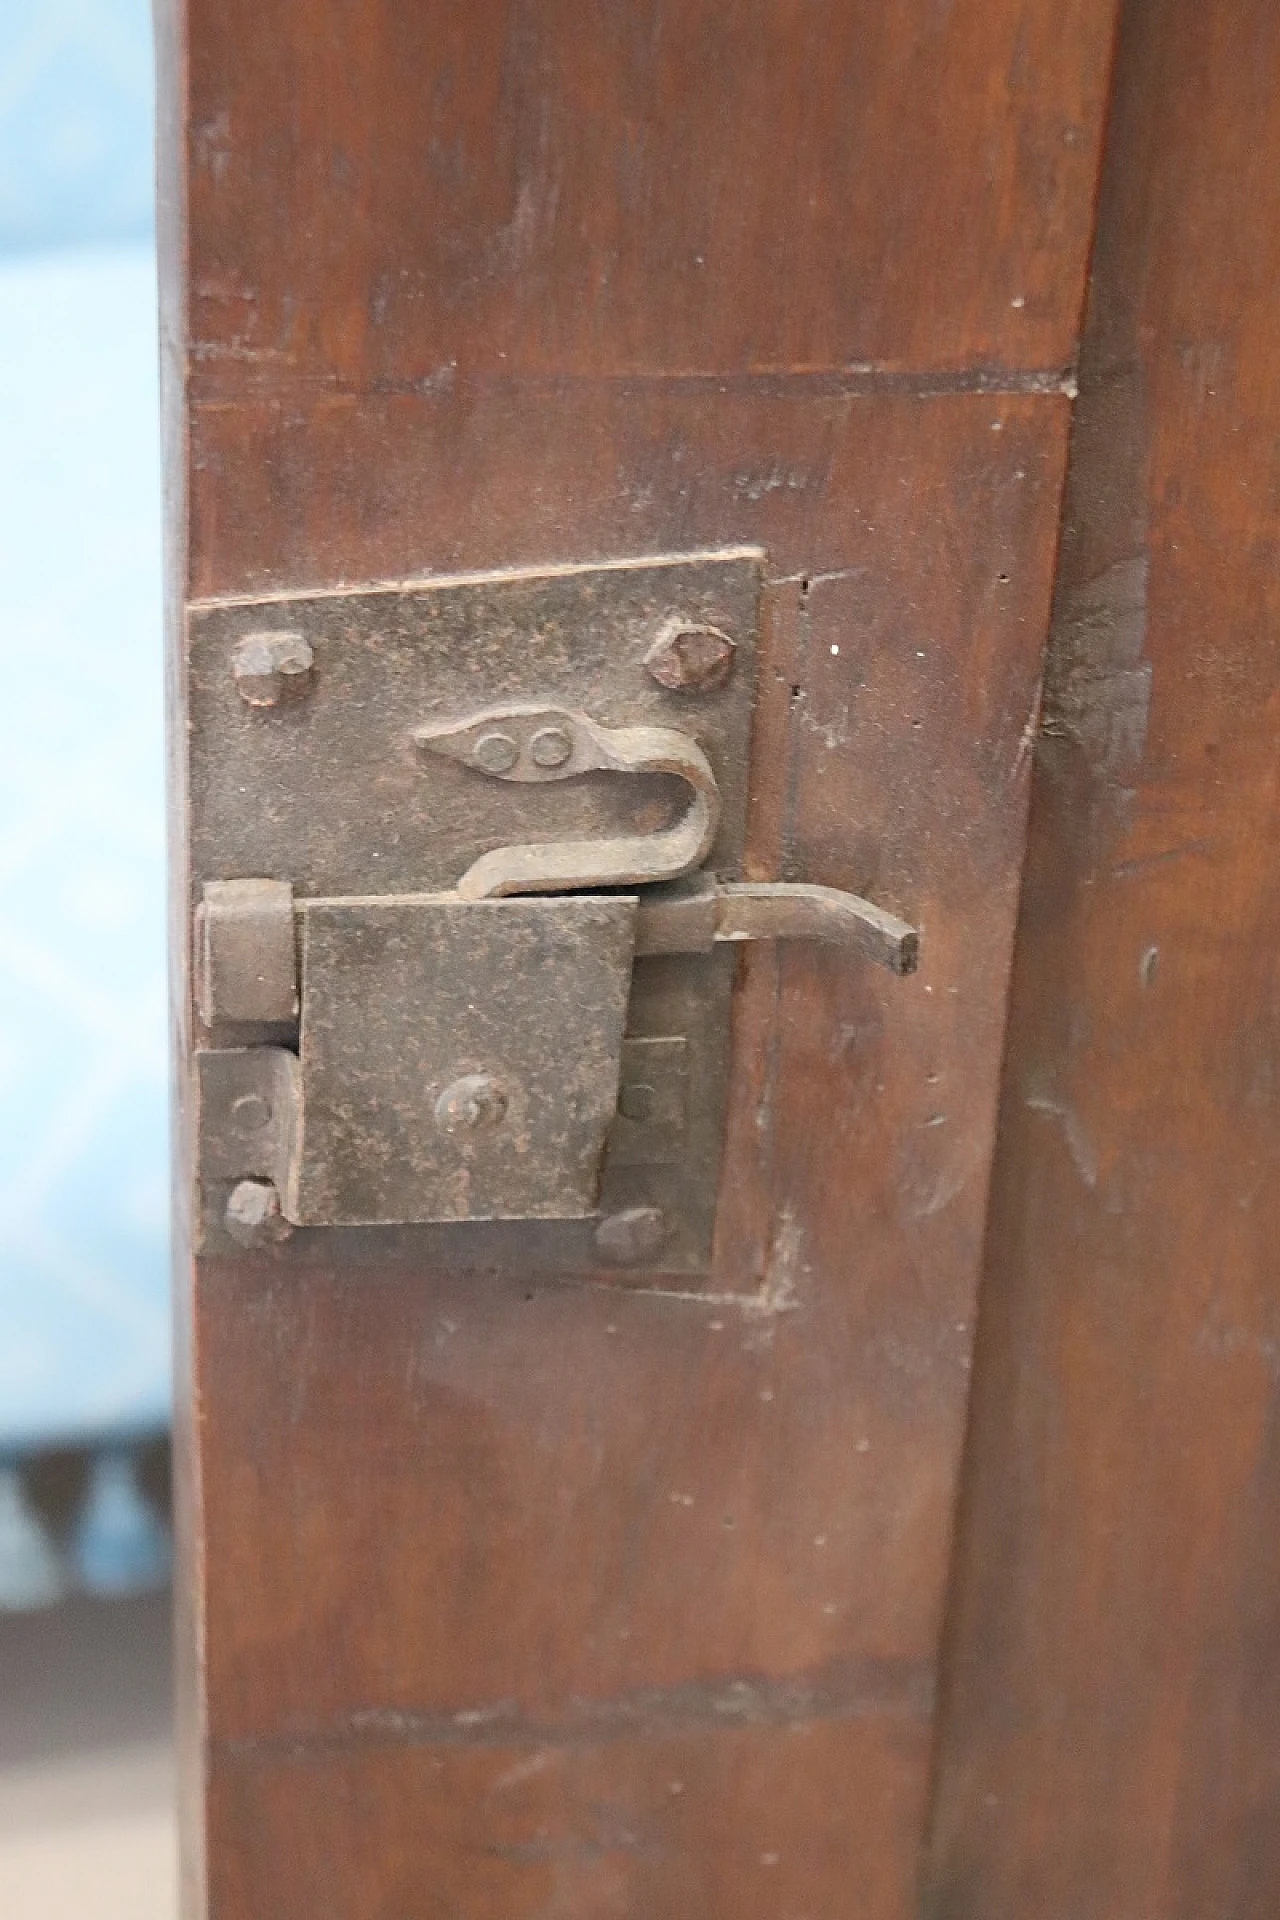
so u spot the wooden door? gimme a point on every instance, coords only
(516, 1595)
(1110, 1744)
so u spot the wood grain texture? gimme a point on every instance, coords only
(427, 1498)
(1112, 1746)
(481, 1568)
(734, 1819)
(535, 186)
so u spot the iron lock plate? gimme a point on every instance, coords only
(473, 1081)
(459, 1060)
(321, 778)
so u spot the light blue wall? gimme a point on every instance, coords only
(75, 122)
(84, 1334)
(84, 1340)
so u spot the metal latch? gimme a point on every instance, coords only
(423, 1006)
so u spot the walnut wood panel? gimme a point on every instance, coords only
(656, 1814)
(542, 186)
(527, 283)
(1113, 1744)
(427, 1498)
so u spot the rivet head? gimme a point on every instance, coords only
(550, 747)
(471, 1104)
(636, 1101)
(496, 752)
(629, 1238)
(690, 657)
(253, 1217)
(271, 667)
(250, 1113)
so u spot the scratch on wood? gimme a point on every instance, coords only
(811, 580)
(755, 486)
(1026, 740)
(833, 736)
(777, 1293)
(784, 1269)
(237, 350)
(545, 1848)
(1098, 687)
(1127, 869)
(946, 1189)
(1224, 1341)
(523, 1770)
(838, 1690)
(866, 379)
(1083, 1157)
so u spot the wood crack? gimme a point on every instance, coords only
(255, 381)
(838, 1690)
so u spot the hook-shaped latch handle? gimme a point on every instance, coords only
(539, 744)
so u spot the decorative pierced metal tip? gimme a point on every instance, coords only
(517, 743)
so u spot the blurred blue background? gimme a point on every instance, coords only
(84, 1329)
(76, 96)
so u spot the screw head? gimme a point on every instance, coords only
(690, 657)
(496, 752)
(550, 747)
(629, 1238)
(271, 667)
(250, 1113)
(253, 1217)
(470, 1104)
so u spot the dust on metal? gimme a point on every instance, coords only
(246, 970)
(250, 1113)
(270, 667)
(458, 1060)
(444, 1055)
(553, 745)
(310, 790)
(633, 1236)
(476, 1100)
(303, 794)
(689, 656)
(254, 1218)
(696, 914)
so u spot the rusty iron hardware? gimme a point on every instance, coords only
(692, 919)
(271, 667)
(687, 658)
(493, 1020)
(537, 744)
(245, 964)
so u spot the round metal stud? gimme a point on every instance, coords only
(270, 667)
(550, 748)
(250, 1113)
(689, 656)
(630, 1238)
(496, 752)
(470, 1103)
(253, 1217)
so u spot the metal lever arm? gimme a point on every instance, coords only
(692, 918)
(539, 744)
